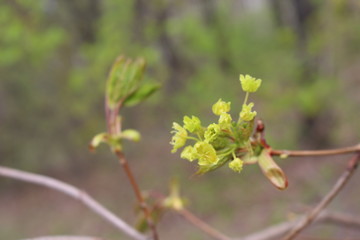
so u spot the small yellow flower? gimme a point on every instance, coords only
(205, 153)
(189, 153)
(249, 83)
(225, 120)
(246, 114)
(221, 107)
(212, 132)
(179, 139)
(236, 165)
(192, 124)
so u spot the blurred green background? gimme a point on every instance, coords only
(54, 60)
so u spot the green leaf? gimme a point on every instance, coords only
(143, 92)
(124, 79)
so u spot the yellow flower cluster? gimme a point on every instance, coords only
(221, 142)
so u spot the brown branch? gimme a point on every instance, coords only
(64, 238)
(197, 222)
(338, 151)
(342, 219)
(75, 193)
(113, 122)
(137, 192)
(341, 182)
(278, 230)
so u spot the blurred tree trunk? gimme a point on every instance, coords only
(83, 16)
(212, 21)
(140, 13)
(178, 67)
(297, 14)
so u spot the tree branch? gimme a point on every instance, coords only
(64, 238)
(276, 231)
(75, 193)
(197, 222)
(341, 182)
(338, 151)
(144, 207)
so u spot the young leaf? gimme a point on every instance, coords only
(124, 79)
(143, 92)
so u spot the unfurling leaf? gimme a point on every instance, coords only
(271, 170)
(144, 91)
(124, 79)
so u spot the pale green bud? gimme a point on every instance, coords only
(221, 107)
(189, 153)
(271, 170)
(246, 114)
(131, 134)
(179, 139)
(249, 84)
(192, 124)
(236, 165)
(206, 153)
(97, 140)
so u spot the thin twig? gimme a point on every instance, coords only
(64, 238)
(75, 193)
(137, 192)
(341, 182)
(278, 230)
(113, 122)
(337, 151)
(202, 225)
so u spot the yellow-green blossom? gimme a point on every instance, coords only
(236, 165)
(189, 153)
(225, 120)
(192, 124)
(249, 83)
(179, 139)
(246, 114)
(205, 153)
(212, 132)
(221, 107)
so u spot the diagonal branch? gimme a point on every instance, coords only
(278, 230)
(144, 207)
(75, 193)
(64, 238)
(341, 182)
(197, 222)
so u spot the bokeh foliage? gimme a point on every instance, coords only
(55, 56)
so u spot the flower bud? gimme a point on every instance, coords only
(179, 139)
(246, 114)
(221, 107)
(249, 84)
(192, 124)
(236, 165)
